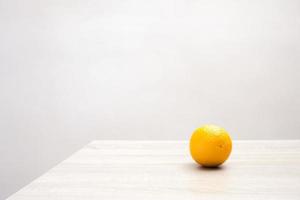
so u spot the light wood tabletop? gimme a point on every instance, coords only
(165, 170)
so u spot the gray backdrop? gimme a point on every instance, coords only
(74, 71)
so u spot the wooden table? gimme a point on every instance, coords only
(164, 170)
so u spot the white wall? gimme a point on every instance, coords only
(74, 71)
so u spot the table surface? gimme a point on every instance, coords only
(165, 170)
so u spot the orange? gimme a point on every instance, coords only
(210, 145)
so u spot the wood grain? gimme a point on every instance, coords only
(164, 170)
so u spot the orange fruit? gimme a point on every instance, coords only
(210, 145)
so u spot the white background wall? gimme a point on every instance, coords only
(74, 71)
